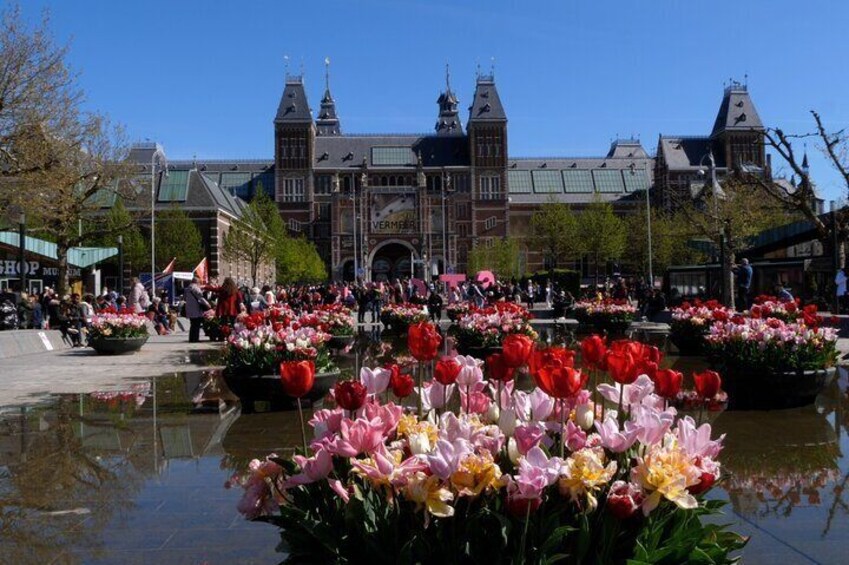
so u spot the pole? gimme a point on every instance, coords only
(22, 251)
(354, 224)
(648, 224)
(444, 229)
(153, 226)
(120, 265)
(835, 256)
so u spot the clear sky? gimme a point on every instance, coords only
(204, 77)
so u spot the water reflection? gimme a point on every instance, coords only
(91, 477)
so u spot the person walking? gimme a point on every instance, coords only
(744, 273)
(138, 300)
(196, 305)
(228, 301)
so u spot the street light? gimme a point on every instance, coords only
(159, 158)
(120, 265)
(718, 193)
(446, 189)
(632, 167)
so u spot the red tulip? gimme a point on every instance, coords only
(667, 383)
(593, 349)
(401, 384)
(297, 377)
(708, 384)
(446, 371)
(621, 366)
(498, 369)
(560, 355)
(559, 381)
(350, 395)
(516, 350)
(424, 340)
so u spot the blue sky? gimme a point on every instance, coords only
(204, 77)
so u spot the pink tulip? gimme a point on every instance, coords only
(528, 436)
(470, 370)
(389, 413)
(313, 469)
(361, 436)
(613, 438)
(338, 488)
(695, 441)
(435, 395)
(326, 422)
(375, 380)
(536, 406)
(576, 438)
(653, 424)
(446, 458)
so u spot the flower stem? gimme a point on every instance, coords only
(620, 415)
(303, 429)
(525, 531)
(562, 429)
(421, 388)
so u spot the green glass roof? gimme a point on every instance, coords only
(607, 180)
(77, 256)
(635, 180)
(519, 182)
(392, 156)
(236, 183)
(174, 187)
(547, 182)
(577, 181)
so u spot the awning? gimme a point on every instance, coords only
(80, 257)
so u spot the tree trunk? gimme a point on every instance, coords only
(62, 283)
(728, 291)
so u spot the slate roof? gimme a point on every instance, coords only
(486, 104)
(737, 111)
(202, 194)
(293, 107)
(688, 152)
(347, 151)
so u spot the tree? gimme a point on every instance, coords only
(601, 234)
(730, 216)
(250, 239)
(554, 231)
(37, 94)
(670, 233)
(301, 262)
(177, 236)
(57, 163)
(120, 222)
(501, 257)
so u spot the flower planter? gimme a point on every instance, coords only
(117, 345)
(687, 344)
(476, 351)
(766, 390)
(340, 341)
(267, 388)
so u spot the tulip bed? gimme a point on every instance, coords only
(487, 327)
(606, 315)
(691, 322)
(117, 326)
(466, 468)
(398, 317)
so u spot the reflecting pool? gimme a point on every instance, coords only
(138, 475)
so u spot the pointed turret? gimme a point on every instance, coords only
(737, 111)
(327, 122)
(737, 136)
(293, 107)
(448, 122)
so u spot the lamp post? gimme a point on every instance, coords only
(158, 157)
(718, 193)
(120, 265)
(446, 185)
(632, 167)
(363, 189)
(22, 249)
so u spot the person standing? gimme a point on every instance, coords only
(196, 305)
(840, 281)
(138, 301)
(434, 306)
(744, 273)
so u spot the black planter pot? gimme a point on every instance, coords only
(117, 345)
(267, 388)
(340, 341)
(477, 351)
(687, 345)
(765, 390)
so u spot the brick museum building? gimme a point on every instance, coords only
(382, 204)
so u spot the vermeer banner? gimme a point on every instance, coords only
(393, 214)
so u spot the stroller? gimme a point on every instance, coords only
(8, 316)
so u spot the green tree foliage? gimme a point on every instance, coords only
(120, 222)
(177, 236)
(254, 239)
(601, 234)
(554, 231)
(670, 233)
(300, 262)
(502, 258)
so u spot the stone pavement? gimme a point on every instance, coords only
(27, 379)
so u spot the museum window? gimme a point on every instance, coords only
(323, 184)
(490, 188)
(490, 223)
(293, 190)
(294, 225)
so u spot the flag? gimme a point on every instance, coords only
(170, 268)
(202, 271)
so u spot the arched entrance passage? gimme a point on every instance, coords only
(391, 260)
(348, 270)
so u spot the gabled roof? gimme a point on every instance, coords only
(737, 111)
(486, 104)
(688, 152)
(293, 107)
(627, 149)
